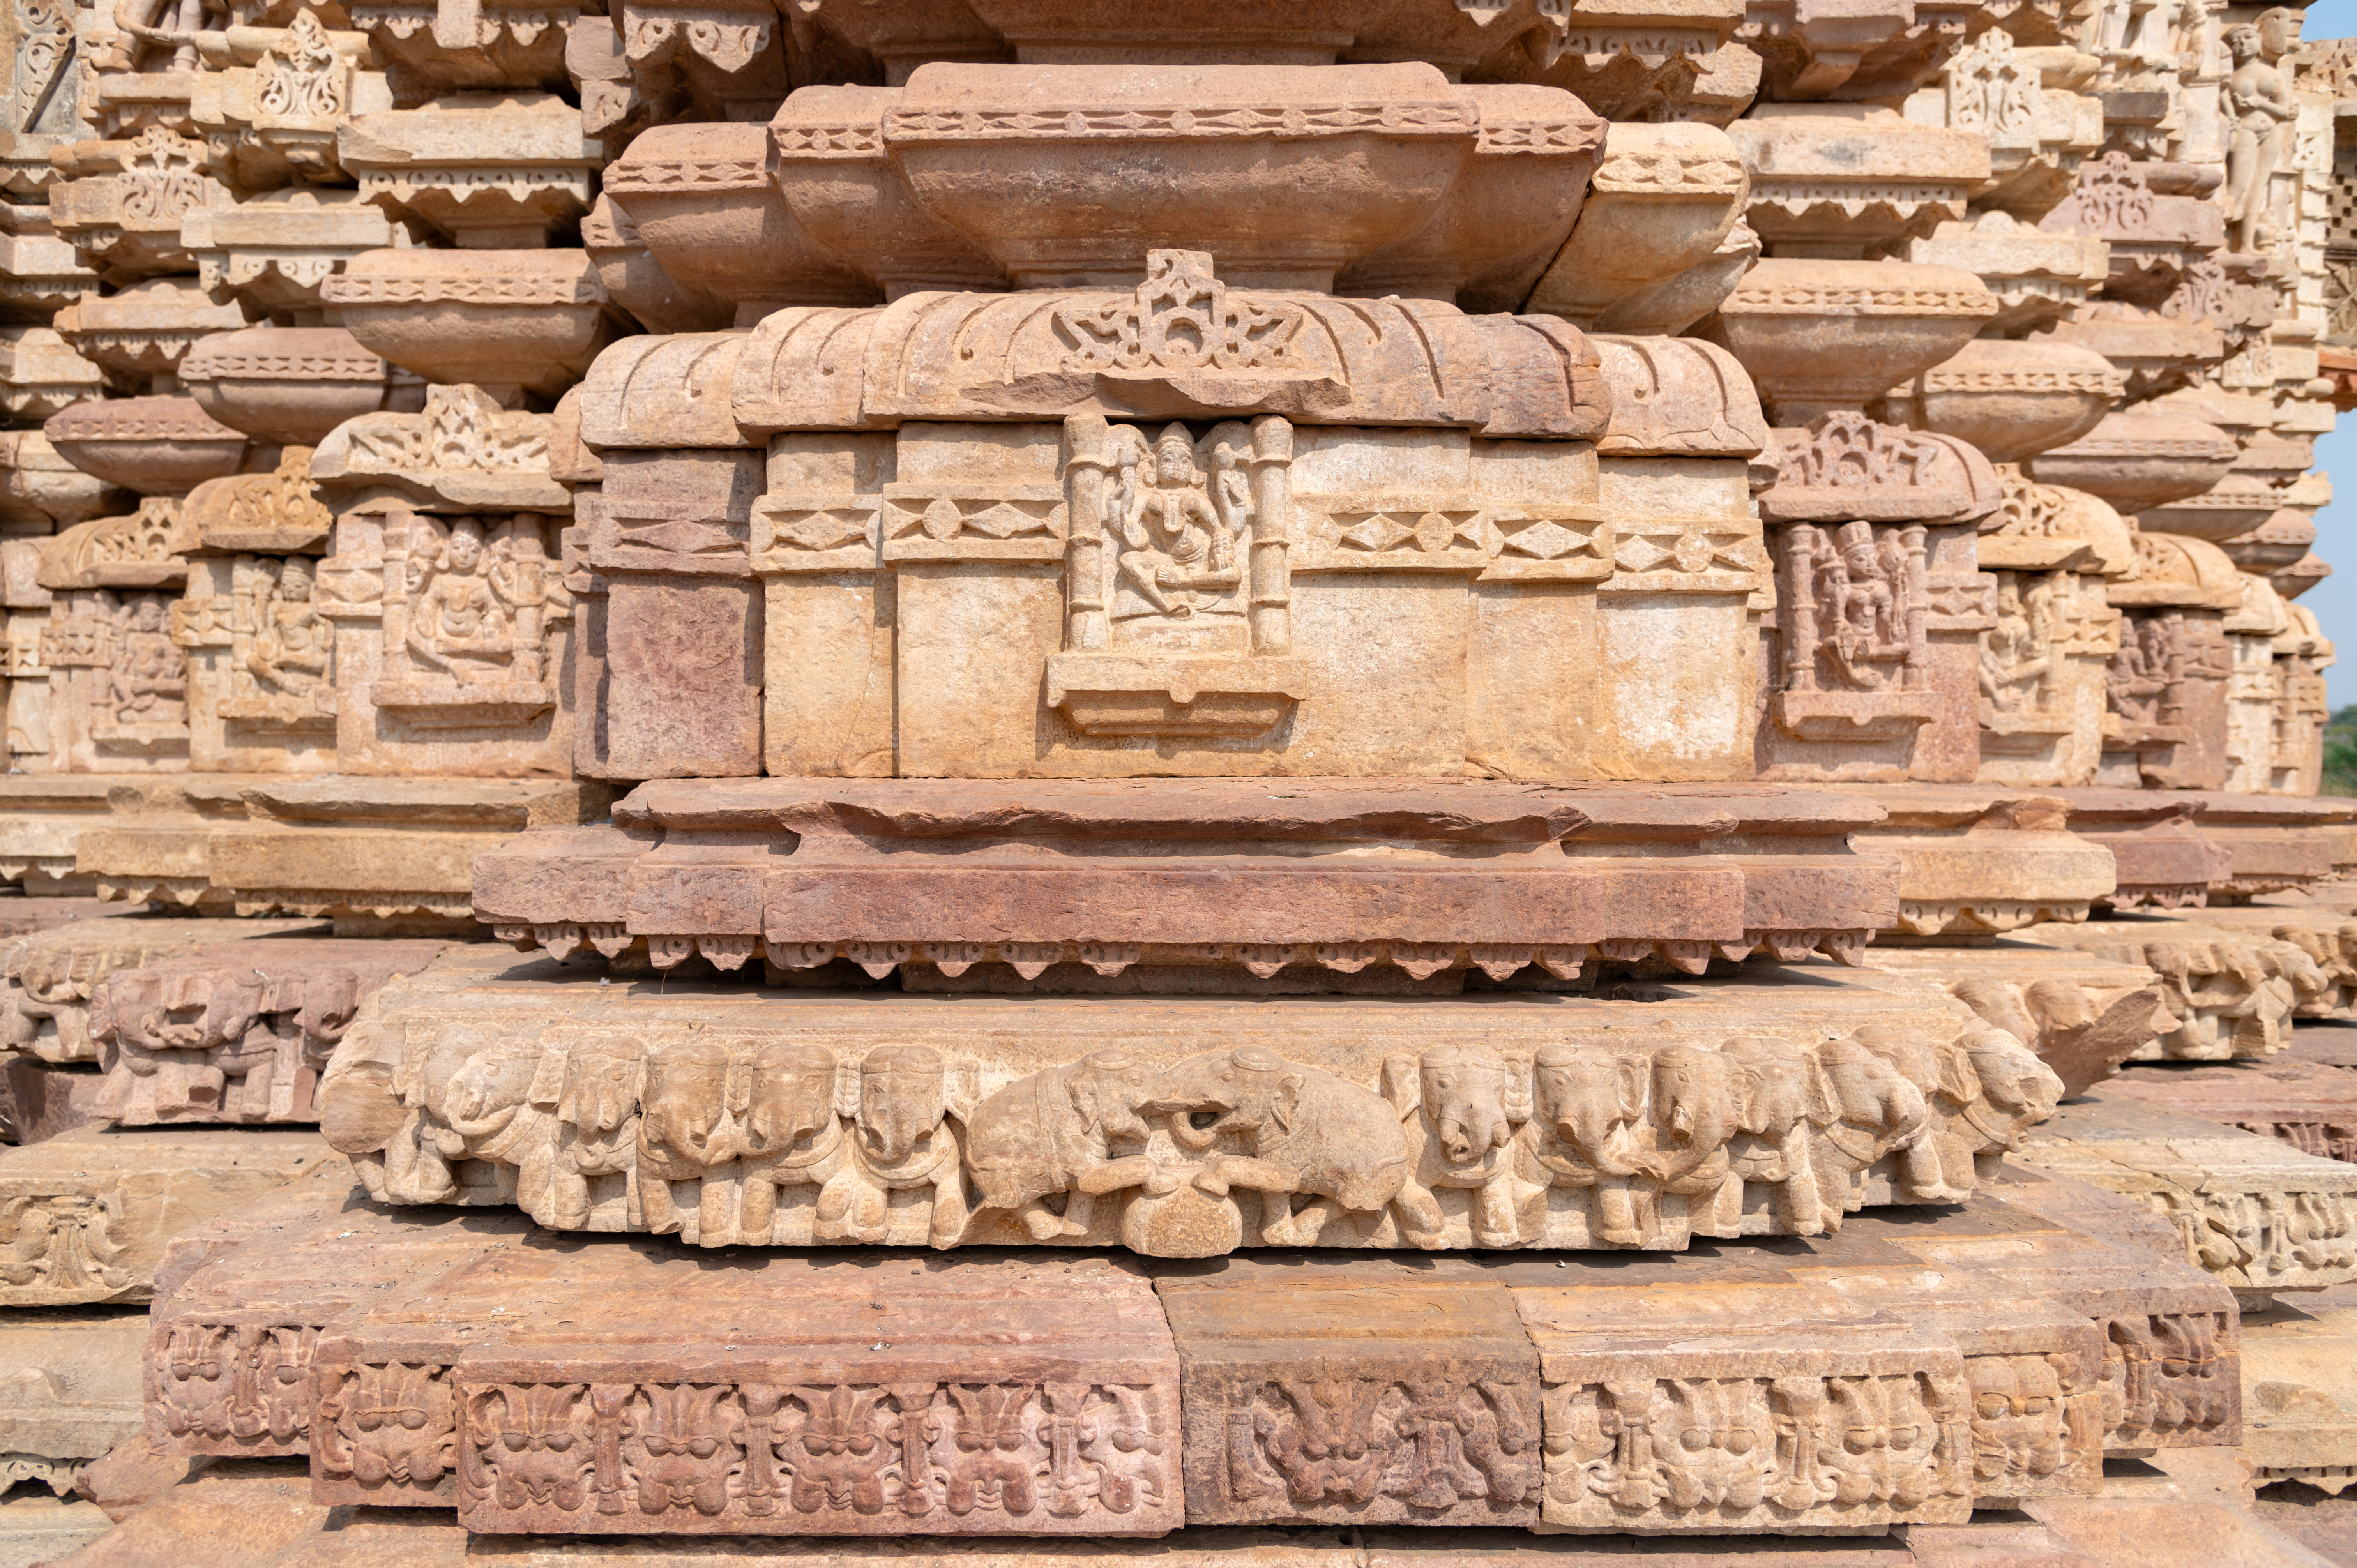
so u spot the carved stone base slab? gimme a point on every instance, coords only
(2084, 1014)
(2312, 1108)
(2271, 839)
(47, 979)
(2299, 1421)
(1610, 1119)
(1976, 860)
(1012, 879)
(373, 854)
(38, 1102)
(2259, 1215)
(23, 917)
(234, 1032)
(2229, 993)
(2325, 935)
(87, 1214)
(77, 1373)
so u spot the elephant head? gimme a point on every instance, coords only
(1998, 1005)
(1932, 1066)
(1109, 1089)
(1588, 1095)
(1251, 1091)
(1473, 1099)
(685, 1096)
(2011, 1075)
(1780, 1088)
(791, 1096)
(903, 1095)
(1868, 1092)
(1696, 1105)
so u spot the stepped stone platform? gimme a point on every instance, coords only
(46, 978)
(2299, 1367)
(1640, 1114)
(1975, 859)
(2310, 1106)
(540, 1383)
(2273, 844)
(2259, 1215)
(373, 855)
(73, 1377)
(2229, 991)
(2082, 1013)
(1392, 884)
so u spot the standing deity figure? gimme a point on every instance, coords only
(149, 682)
(291, 640)
(2015, 665)
(2259, 95)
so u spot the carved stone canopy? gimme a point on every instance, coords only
(1845, 466)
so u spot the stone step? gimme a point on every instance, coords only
(74, 1392)
(2259, 1215)
(546, 1385)
(803, 1117)
(2307, 1105)
(1079, 882)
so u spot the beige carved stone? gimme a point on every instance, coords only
(2259, 1215)
(51, 974)
(74, 1384)
(272, 252)
(2045, 660)
(490, 170)
(1424, 1141)
(2299, 1417)
(1974, 861)
(2231, 992)
(88, 1213)
(1842, 179)
(2082, 1013)
(503, 318)
(2039, 278)
(290, 385)
(41, 373)
(1658, 207)
(1825, 335)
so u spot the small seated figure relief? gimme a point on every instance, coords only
(477, 610)
(148, 686)
(1176, 532)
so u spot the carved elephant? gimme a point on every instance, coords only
(1935, 1159)
(792, 1136)
(1279, 1128)
(1462, 1107)
(1056, 1132)
(1587, 1132)
(902, 1138)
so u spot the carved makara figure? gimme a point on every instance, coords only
(1462, 1107)
(248, 1381)
(1262, 1122)
(2259, 99)
(1079, 1131)
(148, 685)
(904, 1138)
(2019, 1419)
(1175, 532)
(1860, 599)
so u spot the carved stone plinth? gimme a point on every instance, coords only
(2161, 858)
(271, 254)
(362, 851)
(234, 1032)
(2325, 935)
(2310, 1107)
(76, 1392)
(228, 1359)
(1611, 1120)
(2228, 993)
(2300, 1422)
(1235, 880)
(1976, 860)
(88, 1213)
(493, 171)
(2259, 1215)
(2084, 1014)
(1014, 1395)
(2279, 842)
(51, 975)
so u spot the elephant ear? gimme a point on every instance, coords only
(1403, 1084)
(1286, 1104)
(1824, 1105)
(961, 1090)
(1958, 1080)
(1631, 1076)
(548, 1079)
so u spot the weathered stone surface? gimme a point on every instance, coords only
(233, 1032)
(1320, 1392)
(2084, 1014)
(2257, 1214)
(1538, 1121)
(2228, 993)
(2300, 1413)
(365, 850)
(73, 1392)
(89, 1212)
(38, 1100)
(1976, 860)
(1554, 890)
(51, 975)
(891, 1390)
(2313, 1107)
(2275, 843)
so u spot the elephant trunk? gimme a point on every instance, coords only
(1184, 1134)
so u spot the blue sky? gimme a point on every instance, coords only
(2334, 600)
